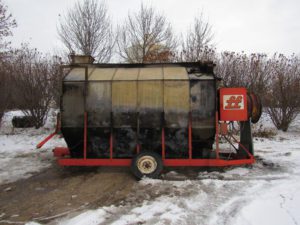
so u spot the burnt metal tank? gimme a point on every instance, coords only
(133, 102)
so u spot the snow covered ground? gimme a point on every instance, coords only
(19, 157)
(266, 193)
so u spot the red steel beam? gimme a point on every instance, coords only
(163, 147)
(167, 162)
(111, 146)
(85, 136)
(61, 152)
(39, 145)
(57, 128)
(217, 136)
(190, 137)
(94, 162)
(207, 162)
(243, 147)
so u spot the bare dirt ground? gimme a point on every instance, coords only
(56, 192)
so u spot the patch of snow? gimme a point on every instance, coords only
(19, 157)
(277, 205)
(92, 217)
(239, 171)
(32, 223)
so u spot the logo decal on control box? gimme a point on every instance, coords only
(233, 102)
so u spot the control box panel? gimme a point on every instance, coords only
(233, 104)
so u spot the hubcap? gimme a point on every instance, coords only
(146, 164)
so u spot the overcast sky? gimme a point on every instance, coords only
(239, 25)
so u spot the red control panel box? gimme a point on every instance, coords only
(233, 104)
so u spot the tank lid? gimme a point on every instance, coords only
(81, 59)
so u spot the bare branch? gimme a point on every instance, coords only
(7, 22)
(86, 29)
(35, 78)
(197, 44)
(146, 36)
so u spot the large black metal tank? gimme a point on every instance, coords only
(133, 102)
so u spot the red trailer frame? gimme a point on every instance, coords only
(61, 153)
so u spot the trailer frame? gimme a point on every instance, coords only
(63, 153)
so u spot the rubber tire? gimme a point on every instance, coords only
(155, 174)
(256, 108)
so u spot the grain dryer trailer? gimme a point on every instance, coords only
(148, 116)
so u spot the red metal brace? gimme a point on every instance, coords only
(57, 128)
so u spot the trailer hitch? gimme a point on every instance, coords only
(57, 131)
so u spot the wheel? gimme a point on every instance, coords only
(148, 164)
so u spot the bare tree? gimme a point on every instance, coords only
(5, 86)
(35, 76)
(86, 29)
(283, 96)
(55, 74)
(197, 44)
(146, 36)
(6, 23)
(275, 80)
(242, 70)
(234, 68)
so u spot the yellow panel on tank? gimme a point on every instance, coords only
(124, 103)
(124, 94)
(150, 103)
(126, 74)
(155, 73)
(176, 103)
(103, 74)
(175, 73)
(150, 94)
